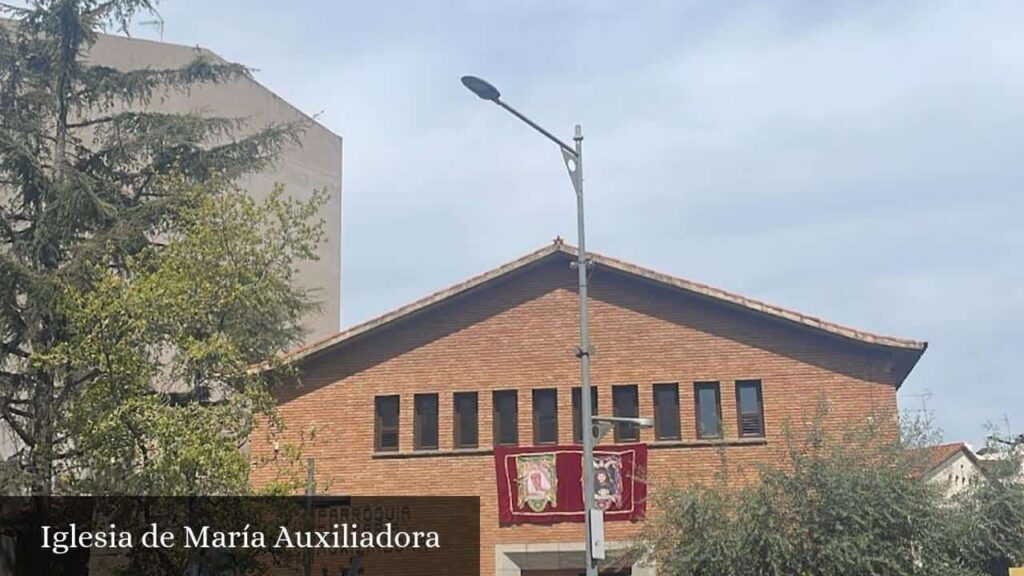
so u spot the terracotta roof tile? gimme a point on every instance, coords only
(933, 456)
(560, 247)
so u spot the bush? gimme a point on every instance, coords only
(851, 504)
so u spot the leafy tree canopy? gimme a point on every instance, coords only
(839, 504)
(138, 283)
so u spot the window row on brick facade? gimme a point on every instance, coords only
(625, 403)
(707, 397)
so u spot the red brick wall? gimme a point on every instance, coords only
(522, 333)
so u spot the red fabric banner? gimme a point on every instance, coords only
(544, 485)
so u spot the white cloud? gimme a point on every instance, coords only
(857, 161)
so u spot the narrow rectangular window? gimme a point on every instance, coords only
(666, 412)
(577, 412)
(545, 416)
(626, 404)
(709, 410)
(464, 421)
(506, 418)
(386, 423)
(750, 408)
(425, 422)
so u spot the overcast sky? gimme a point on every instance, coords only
(858, 161)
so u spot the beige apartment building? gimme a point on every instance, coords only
(313, 165)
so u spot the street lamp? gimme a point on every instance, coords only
(602, 424)
(573, 157)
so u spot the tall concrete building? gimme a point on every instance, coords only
(314, 165)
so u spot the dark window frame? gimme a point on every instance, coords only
(659, 421)
(712, 385)
(418, 422)
(759, 387)
(626, 432)
(496, 416)
(537, 424)
(577, 411)
(458, 442)
(379, 429)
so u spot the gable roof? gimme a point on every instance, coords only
(559, 247)
(935, 456)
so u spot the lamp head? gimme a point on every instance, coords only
(482, 88)
(639, 422)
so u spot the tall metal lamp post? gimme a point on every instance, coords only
(573, 156)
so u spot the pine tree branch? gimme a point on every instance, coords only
(59, 456)
(19, 412)
(12, 378)
(18, 155)
(135, 147)
(128, 137)
(70, 387)
(142, 123)
(15, 350)
(119, 12)
(16, 11)
(105, 87)
(178, 147)
(246, 155)
(19, 430)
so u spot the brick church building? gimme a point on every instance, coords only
(418, 401)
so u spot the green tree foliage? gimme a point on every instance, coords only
(850, 504)
(992, 531)
(138, 284)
